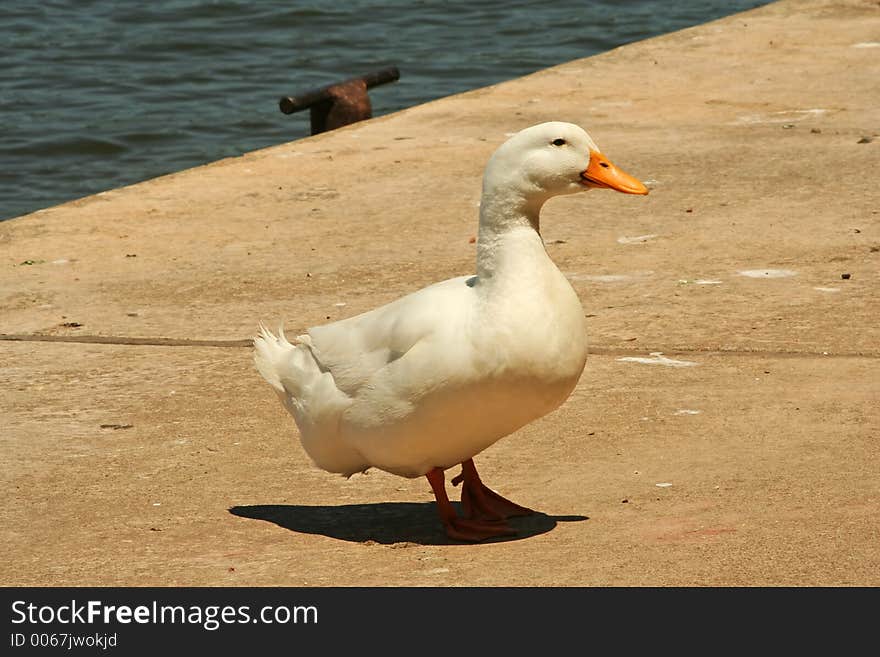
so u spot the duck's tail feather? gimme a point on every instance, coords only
(309, 392)
(289, 368)
(269, 352)
(310, 395)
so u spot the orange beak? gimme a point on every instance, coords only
(601, 173)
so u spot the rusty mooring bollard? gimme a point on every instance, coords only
(339, 104)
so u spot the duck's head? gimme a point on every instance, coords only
(555, 158)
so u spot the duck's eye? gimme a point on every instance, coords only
(558, 142)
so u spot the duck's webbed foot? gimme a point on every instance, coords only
(481, 502)
(462, 529)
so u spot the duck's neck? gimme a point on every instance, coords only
(509, 234)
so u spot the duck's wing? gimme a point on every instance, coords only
(354, 350)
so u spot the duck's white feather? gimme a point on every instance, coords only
(437, 376)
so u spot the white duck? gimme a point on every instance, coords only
(428, 381)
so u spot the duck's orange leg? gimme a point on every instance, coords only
(461, 529)
(481, 502)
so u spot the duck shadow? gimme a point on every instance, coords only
(387, 523)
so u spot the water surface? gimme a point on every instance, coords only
(97, 94)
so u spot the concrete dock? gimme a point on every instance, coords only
(140, 446)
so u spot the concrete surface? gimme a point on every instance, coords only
(140, 447)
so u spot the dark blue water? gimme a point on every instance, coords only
(95, 94)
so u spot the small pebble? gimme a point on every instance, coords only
(865, 140)
(846, 277)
